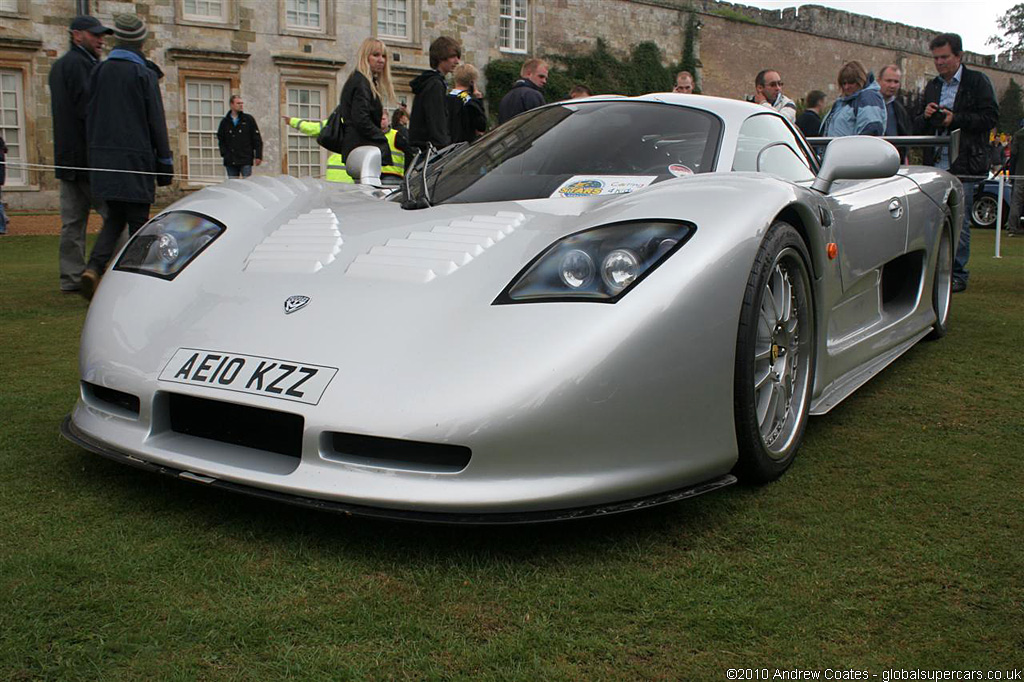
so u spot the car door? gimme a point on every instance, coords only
(870, 223)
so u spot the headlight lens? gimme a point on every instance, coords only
(166, 244)
(601, 264)
(577, 269)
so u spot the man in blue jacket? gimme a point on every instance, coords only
(527, 92)
(126, 130)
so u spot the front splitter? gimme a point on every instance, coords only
(71, 433)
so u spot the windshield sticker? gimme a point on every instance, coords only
(679, 170)
(589, 186)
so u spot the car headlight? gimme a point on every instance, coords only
(166, 244)
(600, 264)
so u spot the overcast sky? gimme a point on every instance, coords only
(974, 21)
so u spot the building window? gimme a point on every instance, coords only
(305, 158)
(304, 14)
(393, 19)
(205, 10)
(12, 125)
(206, 102)
(9, 7)
(512, 26)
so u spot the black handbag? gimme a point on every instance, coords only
(332, 135)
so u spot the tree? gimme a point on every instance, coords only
(1012, 26)
(1011, 108)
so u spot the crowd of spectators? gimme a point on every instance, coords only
(108, 115)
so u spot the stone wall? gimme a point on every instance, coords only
(806, 45)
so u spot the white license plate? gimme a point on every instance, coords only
(271, 377)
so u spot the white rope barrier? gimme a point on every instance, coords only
(48, 167)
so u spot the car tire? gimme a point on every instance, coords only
(775, 346)
(983, 211)
(942, 281)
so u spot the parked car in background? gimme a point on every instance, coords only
(986, 203)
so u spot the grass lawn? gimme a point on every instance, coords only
(895, 541)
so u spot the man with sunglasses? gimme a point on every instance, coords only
(768, 92)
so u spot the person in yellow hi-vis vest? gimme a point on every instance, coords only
(399, 144)
(336, 165)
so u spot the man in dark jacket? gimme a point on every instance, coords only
(958, 98)
(239, 140)
(429, 121)
(809, 122)
(126, 130)
(3, 179)
(897, 120)
(69, 94)
(527, 92)
(1016, 166)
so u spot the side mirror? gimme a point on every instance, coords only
(363, 165)
(856, 158)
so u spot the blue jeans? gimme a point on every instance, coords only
(236, 171)
(3, 217)
(963, 249)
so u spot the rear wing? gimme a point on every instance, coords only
(952, 141)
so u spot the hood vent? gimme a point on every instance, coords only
(422, 256)
(304, 244)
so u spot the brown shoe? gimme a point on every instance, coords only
(90, 280)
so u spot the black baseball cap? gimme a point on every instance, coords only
(90, 24)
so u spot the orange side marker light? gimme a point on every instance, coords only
(832, 250)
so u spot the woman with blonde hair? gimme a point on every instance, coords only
(861, 109)
(361, 105)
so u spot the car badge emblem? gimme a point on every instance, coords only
(293, 303)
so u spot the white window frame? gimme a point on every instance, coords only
(301, 7)
(12, 7)
(296, 144)
(395, 8)
(201, 127)
(12, 99)
(221, 18)
(513, 26)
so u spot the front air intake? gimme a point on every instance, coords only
(110, 400)
(250, 427)
(392, 453)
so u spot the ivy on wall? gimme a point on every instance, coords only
(601, 71)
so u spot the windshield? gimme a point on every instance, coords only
(576, 150)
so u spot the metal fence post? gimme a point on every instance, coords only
(999, 214)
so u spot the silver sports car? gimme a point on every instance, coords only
(602, 305)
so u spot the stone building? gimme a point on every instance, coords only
(292, 57)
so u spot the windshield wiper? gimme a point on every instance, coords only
(424, 200)
(431, 155)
